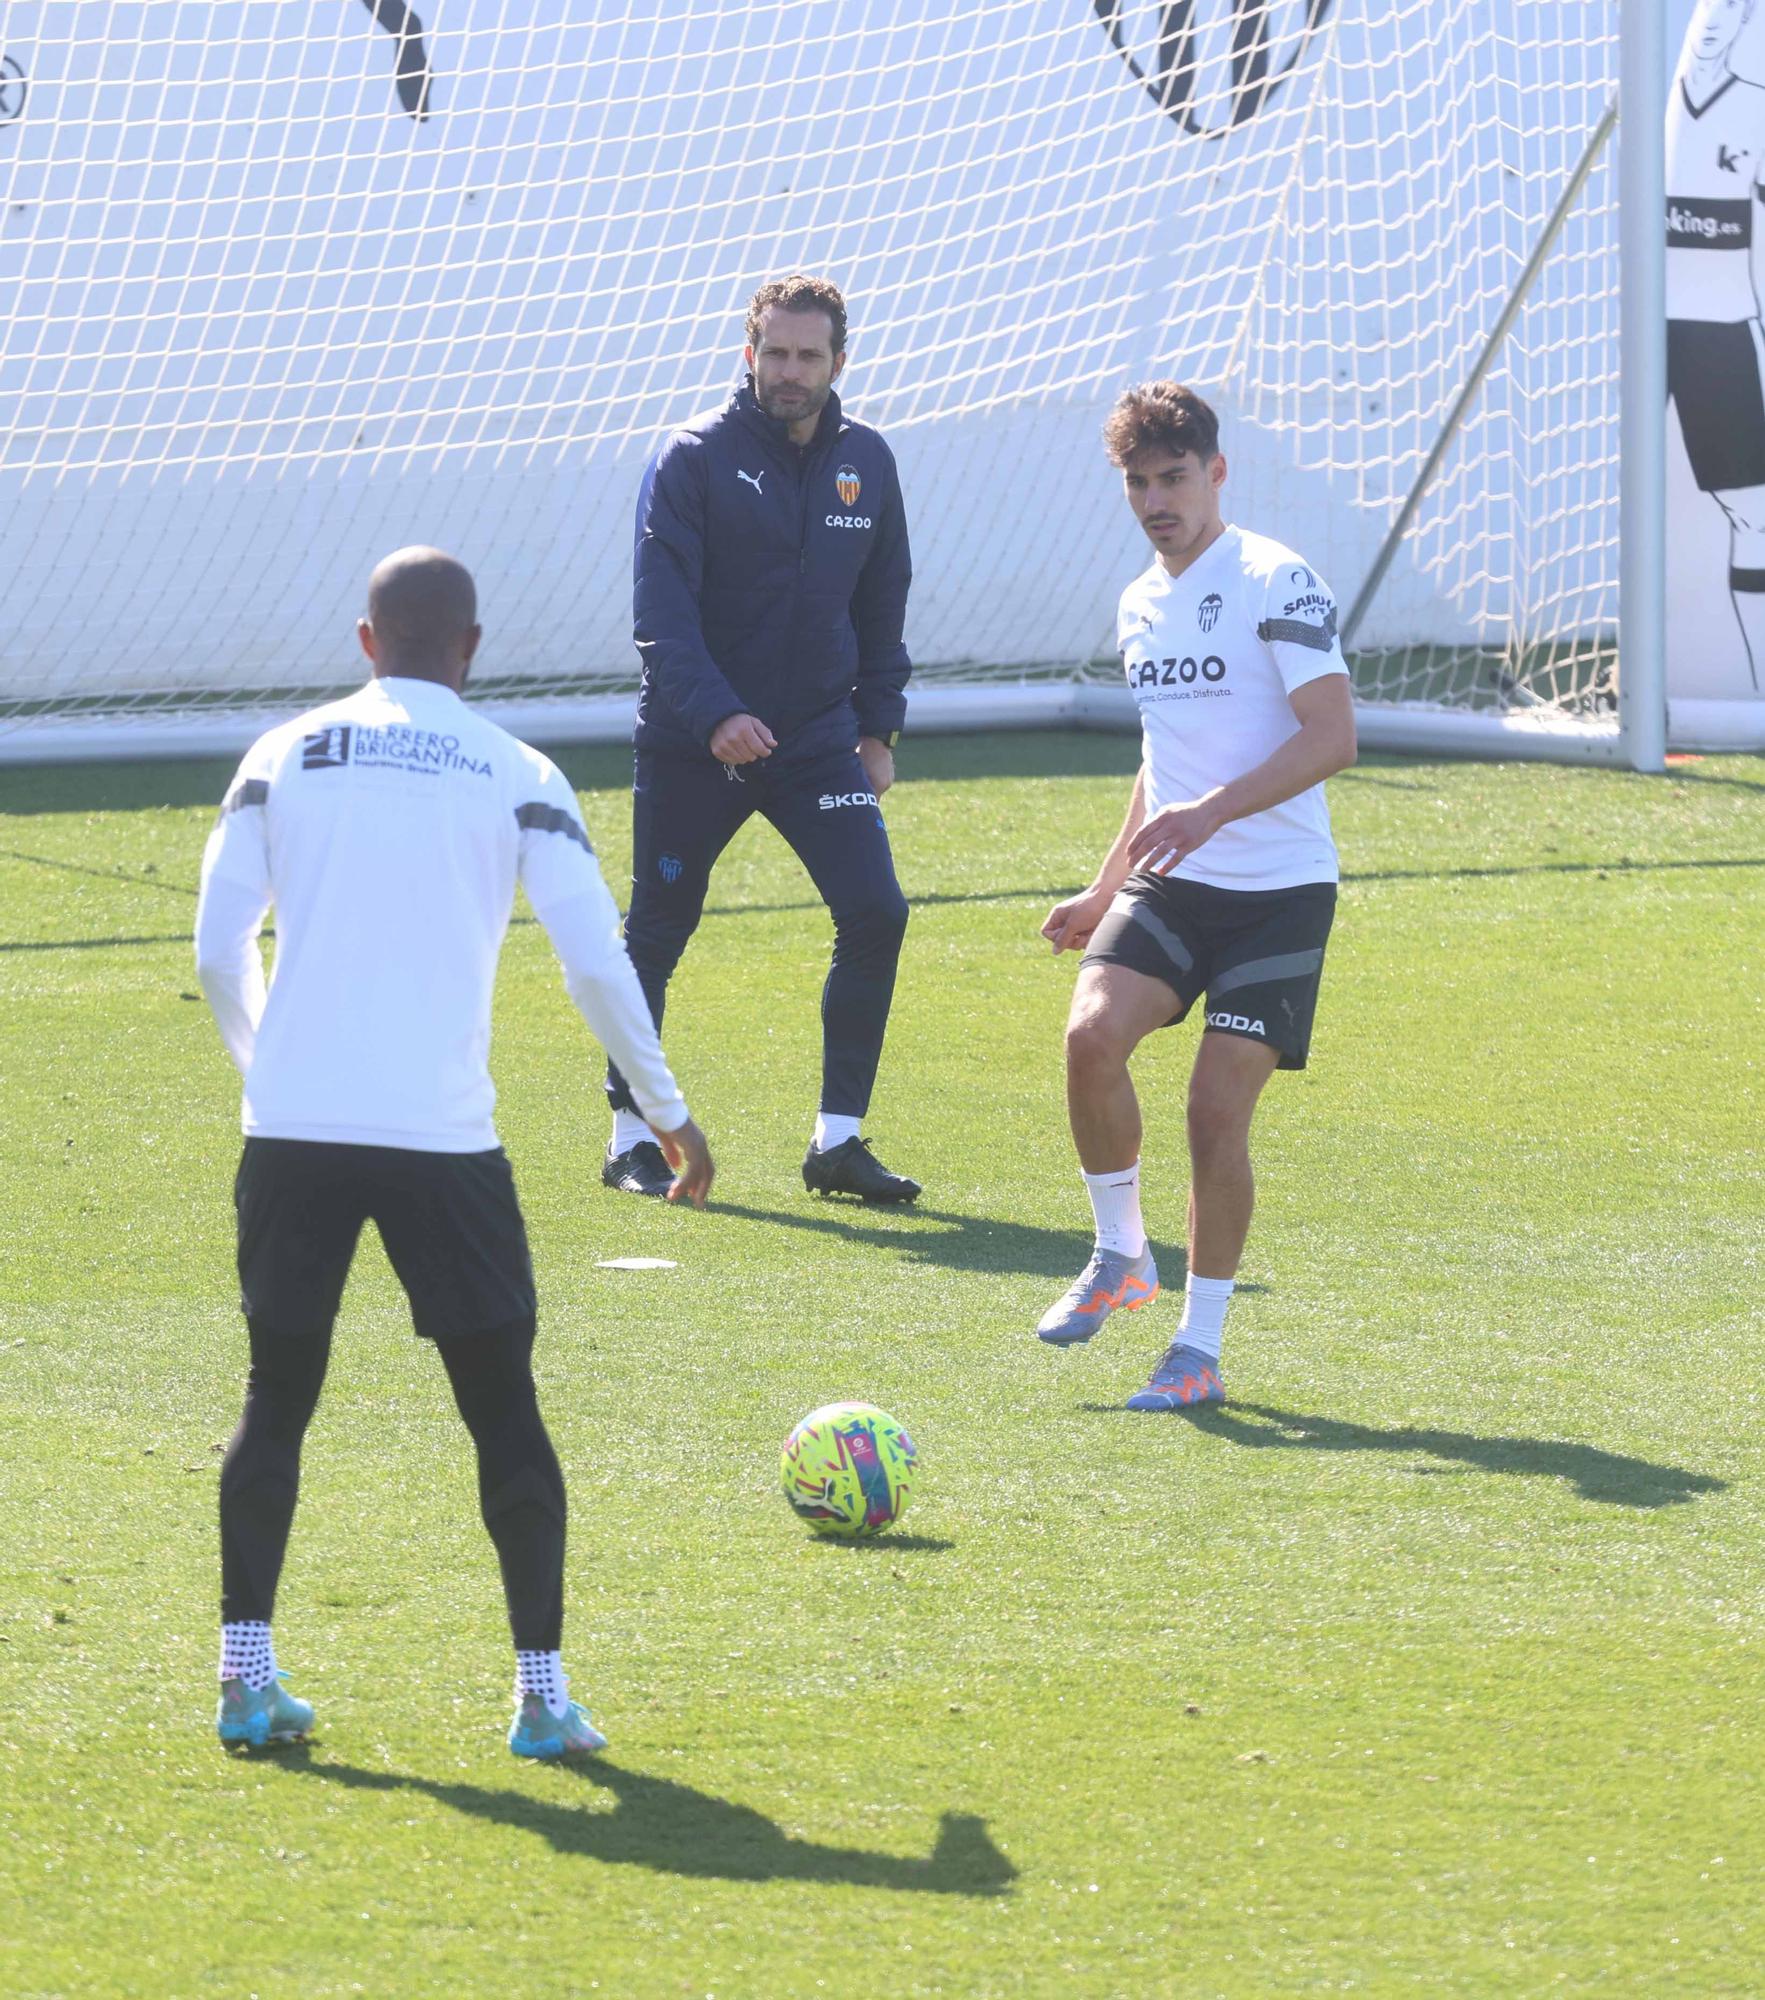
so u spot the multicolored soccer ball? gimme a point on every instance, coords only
(848, 1470)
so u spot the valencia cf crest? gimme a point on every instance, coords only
(848, 485)
(1208, 615)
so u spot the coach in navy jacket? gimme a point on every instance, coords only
(761, 588)
(770, 588)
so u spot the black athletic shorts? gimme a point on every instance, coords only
(1257, 954)
(450, 1223)
(1713, 376)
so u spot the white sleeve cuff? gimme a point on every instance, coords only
(669, 1117)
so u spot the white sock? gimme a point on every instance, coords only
(1204, 1313)
(629, 1130)
(543, 1674)
(1115, 1203)
(834, 1128)
(248, 1654)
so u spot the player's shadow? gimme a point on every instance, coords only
(1607, 1476)
(660, 1824)
(921, 1235)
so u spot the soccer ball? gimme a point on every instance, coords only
(848, 1469)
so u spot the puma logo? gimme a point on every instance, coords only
(753, 478)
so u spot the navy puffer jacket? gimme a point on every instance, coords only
(771, 579)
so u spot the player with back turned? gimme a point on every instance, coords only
(770, 584)
(389, 831)
(1221, 882)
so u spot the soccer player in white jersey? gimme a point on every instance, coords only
(389, 830)
(1221, 882)
(1715, 284)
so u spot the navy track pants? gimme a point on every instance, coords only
(686, 810)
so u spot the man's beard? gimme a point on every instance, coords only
(812, 404)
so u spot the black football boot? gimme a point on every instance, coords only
(641, 1171)
(852, 1168)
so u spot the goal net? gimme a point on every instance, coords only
(294, 282)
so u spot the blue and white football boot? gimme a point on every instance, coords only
(537, 1732)
(255, 1717)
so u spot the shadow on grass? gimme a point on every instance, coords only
(1681, 774)
(921, 899)
(910, 1545)
(660, 1824)
(997, 753)
(30, 789)
(132, 878)
(921, 1235)
(188, 891)
(1046, 893)
(1513, 871)
(956, 1242)
(592, 767)
(181, 938)
(1607, 1476)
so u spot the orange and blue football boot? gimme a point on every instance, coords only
(1185, 1379)
(1111, 1282)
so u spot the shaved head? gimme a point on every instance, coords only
(421, 601)
(422, 616)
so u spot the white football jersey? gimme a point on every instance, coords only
(1211, 657)
(389, 830)
(1715, 162)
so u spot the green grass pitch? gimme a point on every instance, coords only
(1430, 1666)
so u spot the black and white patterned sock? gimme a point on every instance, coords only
(543, 1674)
(248, 1654)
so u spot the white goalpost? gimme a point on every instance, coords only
(294, 282)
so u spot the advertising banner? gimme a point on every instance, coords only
(1716, 365)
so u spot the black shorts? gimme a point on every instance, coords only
(450, 1223)
(1258, 954)
(1713, 376)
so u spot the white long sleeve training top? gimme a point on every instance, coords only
(389, 830)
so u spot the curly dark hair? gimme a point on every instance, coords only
(799, 294)
(1160, 413)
